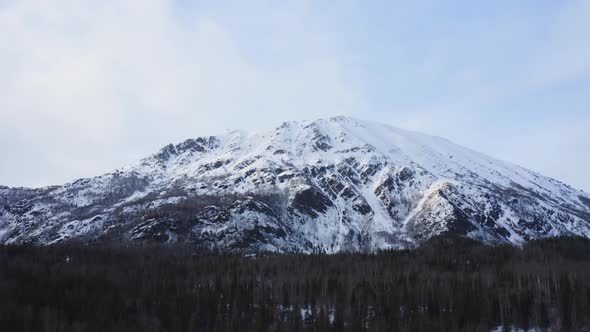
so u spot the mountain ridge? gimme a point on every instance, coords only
(330, 184)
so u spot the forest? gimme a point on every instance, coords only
(447, 284)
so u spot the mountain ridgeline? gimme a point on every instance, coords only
(330, 185)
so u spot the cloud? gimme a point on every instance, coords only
(88, 86)
(85, 83)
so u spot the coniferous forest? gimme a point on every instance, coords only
(448, 284)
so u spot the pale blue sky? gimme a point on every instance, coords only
(89, 86)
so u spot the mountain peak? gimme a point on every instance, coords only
(344, 119)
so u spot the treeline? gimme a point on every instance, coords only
(449, 284)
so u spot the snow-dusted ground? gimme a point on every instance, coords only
(331, 184)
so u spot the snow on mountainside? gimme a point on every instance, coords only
(332, 184)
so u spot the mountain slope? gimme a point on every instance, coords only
(332, 184)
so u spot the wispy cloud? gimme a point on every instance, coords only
(86, 82)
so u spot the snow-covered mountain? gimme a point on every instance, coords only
(332, 184)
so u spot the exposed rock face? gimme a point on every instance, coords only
(334, 184)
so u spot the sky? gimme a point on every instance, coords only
(90, 86)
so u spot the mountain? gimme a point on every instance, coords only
(337, 184)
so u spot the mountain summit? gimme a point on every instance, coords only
(328, 185)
